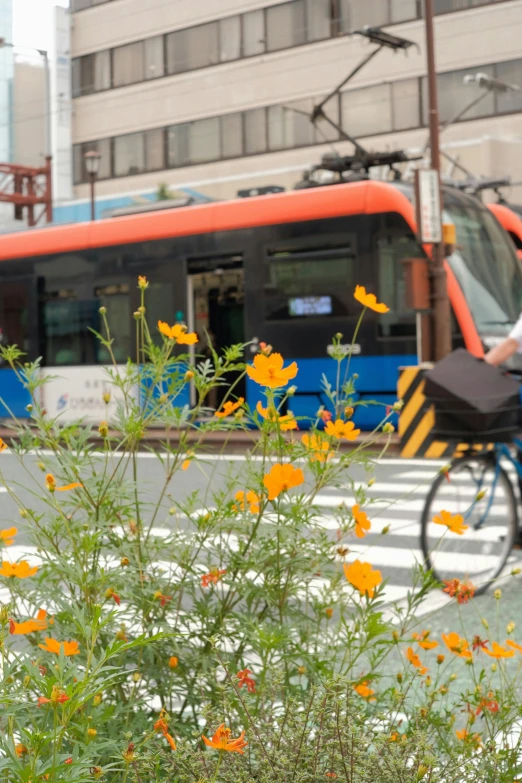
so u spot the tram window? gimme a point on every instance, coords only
(392, 250)
(115, 298)
(318, 284)
(67, 323)
(160, 307)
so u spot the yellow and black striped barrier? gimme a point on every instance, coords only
(417, 420)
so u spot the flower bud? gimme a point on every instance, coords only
(97, 700)
(510, 627)
(136, 676)
(395, 636)
(102, 310)
(348, 411)
(428, 682)
(29, 408)
(301, 670)
(515, 571)
(371, 481)
(106, 397)
(397, 406)
(41, 466)
(329, 613)
(136, 315)
(355, 376)
(173, 662)
(27, 680)
(103, 429)
(124, 561)
(291, 391)
(23, 512)
(143, 283)
(399, 677)
(480, 495)
(498, 594)
(388, 427)
(485, 623)
(386, 529)
(440, 658)
(91, 733)
(453, 677)
(189, 375)
(494, 667)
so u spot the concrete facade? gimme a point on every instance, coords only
(383, 105)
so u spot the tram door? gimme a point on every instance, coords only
(215, 299)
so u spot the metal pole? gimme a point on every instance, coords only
(92, 179)
(440, 304)
(49, 140)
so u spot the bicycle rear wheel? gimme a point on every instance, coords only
(482, 551)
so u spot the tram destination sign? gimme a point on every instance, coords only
(427, 203)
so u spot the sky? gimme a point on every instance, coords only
(32, 22)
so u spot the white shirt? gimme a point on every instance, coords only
(516, 333)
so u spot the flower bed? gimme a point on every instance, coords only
(225, 634)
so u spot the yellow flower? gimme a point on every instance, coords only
(229, 408)
(7, 536)
(456, 645)
(282, 478)
(455, 524)
(285, 423)
(342, 429)
(269, 371)
(21, 570)
(362, 523)
(320, 448)
(369, 300)
(249, 498)
(363, 690)
(362, 577)
(178, 332)
(91, 733)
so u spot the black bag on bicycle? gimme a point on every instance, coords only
(472, 399)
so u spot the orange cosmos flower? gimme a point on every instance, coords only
(163, 599)
(173, 662)
(362, 523)
(282, 478)
(245, 679)
(463, 591)
(178, 332)
(3, 445)
(478, 643)
(488, 704)
(213, 577)
(320, 448)
(229, 408)
(456, 645)
(514, 645)
(285, 423)
(20, 570)
(269, 371)
(54, 646)
(57, 697)
(342, 429)
(414, 659)
(362, 577)
(369, 300)
(143, 283)
(465, 736)
(455, 524)
(221, 741)
(265, 349)
(20, 750)
(50, 482)
(111, 594)
(249, 498)
(364, 691)
(7, 536)
(29, 626)
(423, 640)
(161, 725)
(498, 651)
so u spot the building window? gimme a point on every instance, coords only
(455, 95)
(129, 155)
(193, 48)
(103, 146)
(510, 72)
(367, 112)
(204, 140)
(285, 25)
(83, 75)
(102, 70)
(290, 126)
(128, 64)
(403, 10)
(255, 131)
(154, 149)
(154, 58)
(253, 33)
(230, 39)
(232, 135)
(318, 19)
(406, 104)
(177, 145)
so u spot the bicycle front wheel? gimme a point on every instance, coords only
(478, 488)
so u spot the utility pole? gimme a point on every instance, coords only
(440, 302)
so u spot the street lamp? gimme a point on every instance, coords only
(92, 165)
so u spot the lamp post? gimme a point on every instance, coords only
(92, 165)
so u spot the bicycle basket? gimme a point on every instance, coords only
(473, 401)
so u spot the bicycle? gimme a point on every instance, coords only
(478, 486)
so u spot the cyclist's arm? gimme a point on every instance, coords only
(502, 352)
